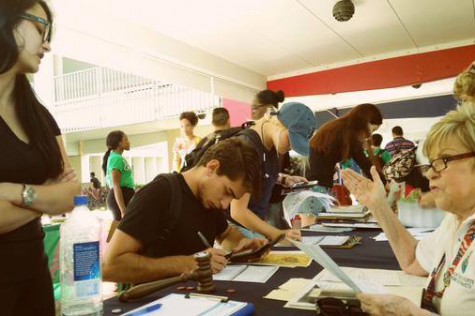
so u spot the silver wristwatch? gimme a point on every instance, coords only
(28, 195)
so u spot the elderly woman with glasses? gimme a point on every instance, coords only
(35, 173)
(446, 254)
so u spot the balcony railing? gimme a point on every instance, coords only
(101, 97)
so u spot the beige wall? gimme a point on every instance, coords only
(76, 164)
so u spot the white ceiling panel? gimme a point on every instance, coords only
(280, 37)
(432, 22)
(373, 29)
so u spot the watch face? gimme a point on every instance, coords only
(29, 195)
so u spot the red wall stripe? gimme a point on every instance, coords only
(388, 73)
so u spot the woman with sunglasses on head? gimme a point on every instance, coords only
(35, 173)
(446, 255)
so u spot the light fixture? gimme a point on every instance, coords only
(343, 10)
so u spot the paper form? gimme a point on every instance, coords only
(289, 289)
(246, 273)
(376, 276)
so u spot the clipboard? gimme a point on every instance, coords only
(247, 256)
(180, 304)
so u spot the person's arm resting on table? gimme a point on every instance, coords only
(241, 213)
(233, 240)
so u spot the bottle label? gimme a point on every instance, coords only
(87, 269)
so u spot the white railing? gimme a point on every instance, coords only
(101, 97)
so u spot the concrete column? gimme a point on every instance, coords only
(139, 170)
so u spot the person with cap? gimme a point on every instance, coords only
(340, 140)
(278, 131)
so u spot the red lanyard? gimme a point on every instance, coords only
(430, 291)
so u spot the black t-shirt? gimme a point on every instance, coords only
(96, 183)
(22, 250)
(146, 212)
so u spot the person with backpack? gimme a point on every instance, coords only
(158, 235)
(291, 127)
(399, 143)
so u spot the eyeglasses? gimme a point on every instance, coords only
(440, 164)
(46, 32)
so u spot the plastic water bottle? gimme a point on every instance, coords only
(80, 262)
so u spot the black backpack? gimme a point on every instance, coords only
(193, 157)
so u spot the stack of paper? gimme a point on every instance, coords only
(349, 213)
(324, 229)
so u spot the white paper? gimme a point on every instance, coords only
(321, 257)
(230, 272)
(379, 277)
(325, 229)
(258, 274)
(417, 233)
(178, 304)
(246, 273)
(325, 240)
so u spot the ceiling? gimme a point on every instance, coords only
(248, 42)
(279, 38)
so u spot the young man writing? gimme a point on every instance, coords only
(139, 253)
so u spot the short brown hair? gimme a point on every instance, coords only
(220, 116)
(237, 160)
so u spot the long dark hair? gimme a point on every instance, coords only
(32, 115)
(341, 130)
(113, 140)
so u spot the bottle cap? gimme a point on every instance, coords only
(80, 200)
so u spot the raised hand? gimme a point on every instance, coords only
(369, 193)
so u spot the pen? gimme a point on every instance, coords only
(204, 240)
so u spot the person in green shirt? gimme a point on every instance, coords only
(119, 176)
(384, 155)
